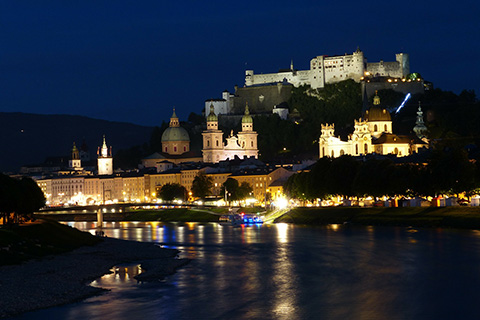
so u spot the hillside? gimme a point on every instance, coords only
(30, 138)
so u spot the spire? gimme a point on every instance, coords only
(420, 129)
(212, 117)
(291, 65)
(104, 150)
(247, 118)
(376, 99)
(174, 120)
(104, 142)
(75, 153)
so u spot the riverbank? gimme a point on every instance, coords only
(63, 278)
(430, 217)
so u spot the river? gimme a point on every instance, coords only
(283, 271)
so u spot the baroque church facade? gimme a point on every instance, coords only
(372, 134)
(244, 144)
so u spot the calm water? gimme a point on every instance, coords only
(292, 272)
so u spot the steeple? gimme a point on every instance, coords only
(291, 65)
(174, 120)
(75, 162)
(420, 129)
(376, 99)
(247, 120)
(105, 160)
(75, 152)
(104, 151)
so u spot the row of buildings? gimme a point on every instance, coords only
(235, 155)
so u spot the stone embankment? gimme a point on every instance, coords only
(60, 279)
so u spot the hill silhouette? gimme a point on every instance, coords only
(27, 139)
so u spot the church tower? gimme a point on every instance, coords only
(105, 159)
(420, 129)
(212, 139)
(75, 163)
(247, 138)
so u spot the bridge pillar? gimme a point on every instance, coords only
(99, 231)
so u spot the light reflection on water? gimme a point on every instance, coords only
(291, 272)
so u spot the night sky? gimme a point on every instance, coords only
(133, 61)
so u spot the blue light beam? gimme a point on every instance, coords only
(403, 103)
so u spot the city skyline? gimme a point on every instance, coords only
(134, 62)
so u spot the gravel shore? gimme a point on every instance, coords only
(64, 278)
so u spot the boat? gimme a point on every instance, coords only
(244, 219)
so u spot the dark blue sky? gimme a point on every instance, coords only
(134, 60)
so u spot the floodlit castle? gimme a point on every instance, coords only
(372, 134)
(244, 144)
(330, 69)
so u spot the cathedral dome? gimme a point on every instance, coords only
(377, 114)
(175, 134)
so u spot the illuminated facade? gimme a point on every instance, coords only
(105, 159)
(330, 69)
(373, 134)
(244, 144)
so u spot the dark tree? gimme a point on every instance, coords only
(19, 199)
(172, 191)
(201, 185)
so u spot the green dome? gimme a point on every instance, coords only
(175, 134)
(247, 118)
(212, 116)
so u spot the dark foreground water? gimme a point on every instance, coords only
(292, 272)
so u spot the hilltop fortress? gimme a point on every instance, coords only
(267, 93)
(330, 69)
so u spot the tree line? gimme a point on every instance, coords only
(202, 188)
(448, 172)
(19, 199)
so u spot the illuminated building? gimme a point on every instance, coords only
(329, 69)
(372, 134)
(242, 145)
(105, 159)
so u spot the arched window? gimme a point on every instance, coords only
(333, 154)
(366, 148)
(395, 151)
(166, 149)
(185, 149)
(251, 144)
(342, 152)
(208, 143)
(375, 128)
(217, 142)
(175, 149)
(385, 128)
(323, 151)
(356, 149)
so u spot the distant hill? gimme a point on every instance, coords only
(27, 139)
